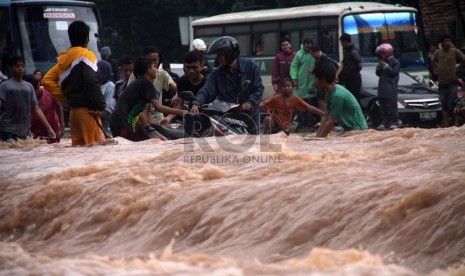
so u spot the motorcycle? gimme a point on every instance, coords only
(218, 118)
(223, 118)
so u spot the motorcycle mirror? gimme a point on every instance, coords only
(187, 95)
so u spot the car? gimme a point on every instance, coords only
(418, 105)
(177, 68)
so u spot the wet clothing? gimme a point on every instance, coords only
(281, 112)
(303, 60)
(387, 91)
(66, 63)
(224, 85)
(162, 85)
(80, 89)
(388, 78)
(131, 103)
(342, 105)
(350, 76)
(18, 99)
(281, 66)
(446, 62)
(85, 128)
(184, 84)
(50, 109)
(447, 95)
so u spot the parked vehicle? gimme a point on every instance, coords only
(223, 118)
(419, 106)
(37, 30)
(177, 68)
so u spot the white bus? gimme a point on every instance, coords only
(369, 25)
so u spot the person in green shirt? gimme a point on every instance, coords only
(341, 105)
(303, 80)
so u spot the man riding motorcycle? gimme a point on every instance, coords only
(224, 83)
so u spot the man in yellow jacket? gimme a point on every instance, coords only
(74, 80)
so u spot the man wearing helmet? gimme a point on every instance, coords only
(224, 83)
(388, 73)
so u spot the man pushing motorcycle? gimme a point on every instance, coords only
(224, 83)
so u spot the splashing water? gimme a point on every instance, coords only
(367, 203)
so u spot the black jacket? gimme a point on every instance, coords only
(82, 88)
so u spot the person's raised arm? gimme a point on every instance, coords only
(312, 109)
(51, 82)
(393, 68)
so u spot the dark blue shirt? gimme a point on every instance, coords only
(225, 85)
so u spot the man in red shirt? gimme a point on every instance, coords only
(282, 64)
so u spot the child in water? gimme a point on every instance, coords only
(282, 108)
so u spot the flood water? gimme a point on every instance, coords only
(362, 203)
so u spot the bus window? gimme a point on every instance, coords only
(328, 22)
(266, 44)
(270, 43)
(310, 34)
(244, 42)
(265, 27)
(257, 45)
(237, 29)
(211, 31)
(295, 40)
(328, 42)
(299, 24)
(36, 38)
(44, 32)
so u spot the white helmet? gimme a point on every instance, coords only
(199, 44)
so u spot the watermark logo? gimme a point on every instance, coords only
(229, 139)
(233, 159)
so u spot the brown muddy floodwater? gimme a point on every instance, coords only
(361, 203)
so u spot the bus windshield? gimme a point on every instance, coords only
(43, 32)
(400, 29)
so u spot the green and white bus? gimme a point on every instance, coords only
(369, 25)
(38, 30)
